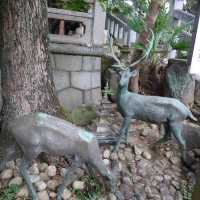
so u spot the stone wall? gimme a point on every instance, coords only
(77, 79)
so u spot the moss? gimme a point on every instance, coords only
(83, 115)
(63, 113)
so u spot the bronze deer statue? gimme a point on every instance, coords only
(38, 132)
(154, 109)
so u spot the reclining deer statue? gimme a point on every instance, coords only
(38, 132)
(154, 109)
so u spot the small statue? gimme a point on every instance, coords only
(159, 110)
(38, 132)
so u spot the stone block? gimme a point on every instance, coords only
(91, 63)
(93, 96)
(61, 79)
(68, 62)
(70, 98)
(178, 82)
(85, 80)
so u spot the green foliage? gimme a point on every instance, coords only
(117, 7)
(166, 35)
(107, 91)
(83, 115)
(92, 191)
(74, 5)
(186, 191)
(63, 113)
(9, 193)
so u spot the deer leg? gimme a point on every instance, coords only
(99, 166)
(69, 176)
(166, 136)
(23, 170)
(123, 132)
(176, 129)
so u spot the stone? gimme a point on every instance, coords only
(80, 172)
(51, 170)
(66, 194)
(6, 174)
(158, 178)
(136, 178)
(138, 150)
(52, 184)
(191, 134)
(106, 153)
(168, 154)
(11, 164)
(121, 156)
(70, 98)
(86, 80)
(34, 169)
(145, 132)
(92, 96)
(61, 80)
(78, 185)
(40, 185)
(176, 184)
(43, 195)
(128, 155)
(148, 191)
(174, 160)
(23, 192)
(34, 178)
(91, 63)
(197, 152)
(178, 82)
(112, 197)
(106, 161)
(52, 195)
(127, 180)
(68, 62)
(16, 181)
(63, 171)
(114, 156)
(146, 155)
(42, 167)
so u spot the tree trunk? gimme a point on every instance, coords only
(154, 10)
(27, 84)
(26, 79)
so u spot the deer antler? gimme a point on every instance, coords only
(146, 52)
(112, 54)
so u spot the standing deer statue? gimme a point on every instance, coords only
(38, 132)
(154, 109)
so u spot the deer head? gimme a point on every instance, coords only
(127, 71)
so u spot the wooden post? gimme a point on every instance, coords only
(194, 54)
(62, 27)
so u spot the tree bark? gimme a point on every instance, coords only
(154, 10)
(27, 83)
